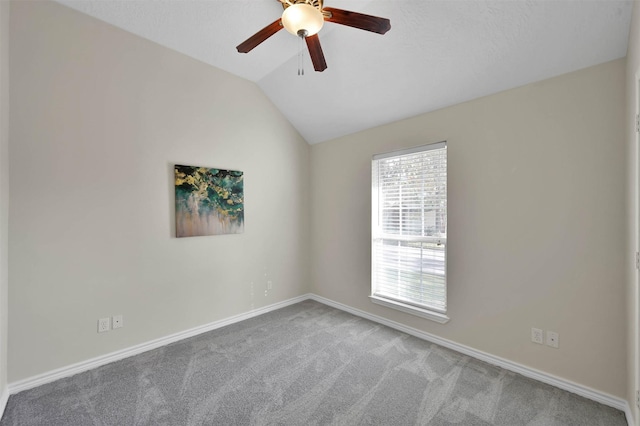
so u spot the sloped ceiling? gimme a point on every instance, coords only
(437, 53)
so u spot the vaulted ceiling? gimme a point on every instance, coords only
(437, 53)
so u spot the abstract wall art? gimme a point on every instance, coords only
(208, 201)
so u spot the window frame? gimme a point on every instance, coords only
(428, 312)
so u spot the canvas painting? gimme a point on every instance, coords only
(208, 201)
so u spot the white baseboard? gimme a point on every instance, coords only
(587, 392)
(89, 364)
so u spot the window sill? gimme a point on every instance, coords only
(424, 313)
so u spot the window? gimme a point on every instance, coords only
(409, 235)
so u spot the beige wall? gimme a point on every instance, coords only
(4, 188)
(536, 191)
(633, 74)
(98, 119)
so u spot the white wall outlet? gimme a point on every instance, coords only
(117, 321)
(638, 398)
(269, 285)
(103, 325)
(536, 335)
(553, 339)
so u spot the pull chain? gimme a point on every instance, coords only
(302, 34)
(301, 55)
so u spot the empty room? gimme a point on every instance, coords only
(345, 212)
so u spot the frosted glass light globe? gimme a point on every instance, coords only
(302, 17)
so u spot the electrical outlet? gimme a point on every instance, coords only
(269, 285)
(553, 339)
(103, 325)
(638, 398)
(117, 321)
(536, 335)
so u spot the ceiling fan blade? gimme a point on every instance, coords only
(358, 20)
(250, 43)
(315, 51)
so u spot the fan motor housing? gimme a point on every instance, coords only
(315, 3)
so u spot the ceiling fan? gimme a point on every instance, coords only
(304, 18)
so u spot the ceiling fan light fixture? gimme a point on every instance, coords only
(302, 19)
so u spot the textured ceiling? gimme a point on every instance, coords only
(437, 53)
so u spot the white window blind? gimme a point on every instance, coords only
(409, 195)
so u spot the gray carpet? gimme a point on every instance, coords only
(307, 364)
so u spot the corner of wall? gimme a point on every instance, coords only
(4, 196)
(632, 75)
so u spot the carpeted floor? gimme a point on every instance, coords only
(307, 364)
